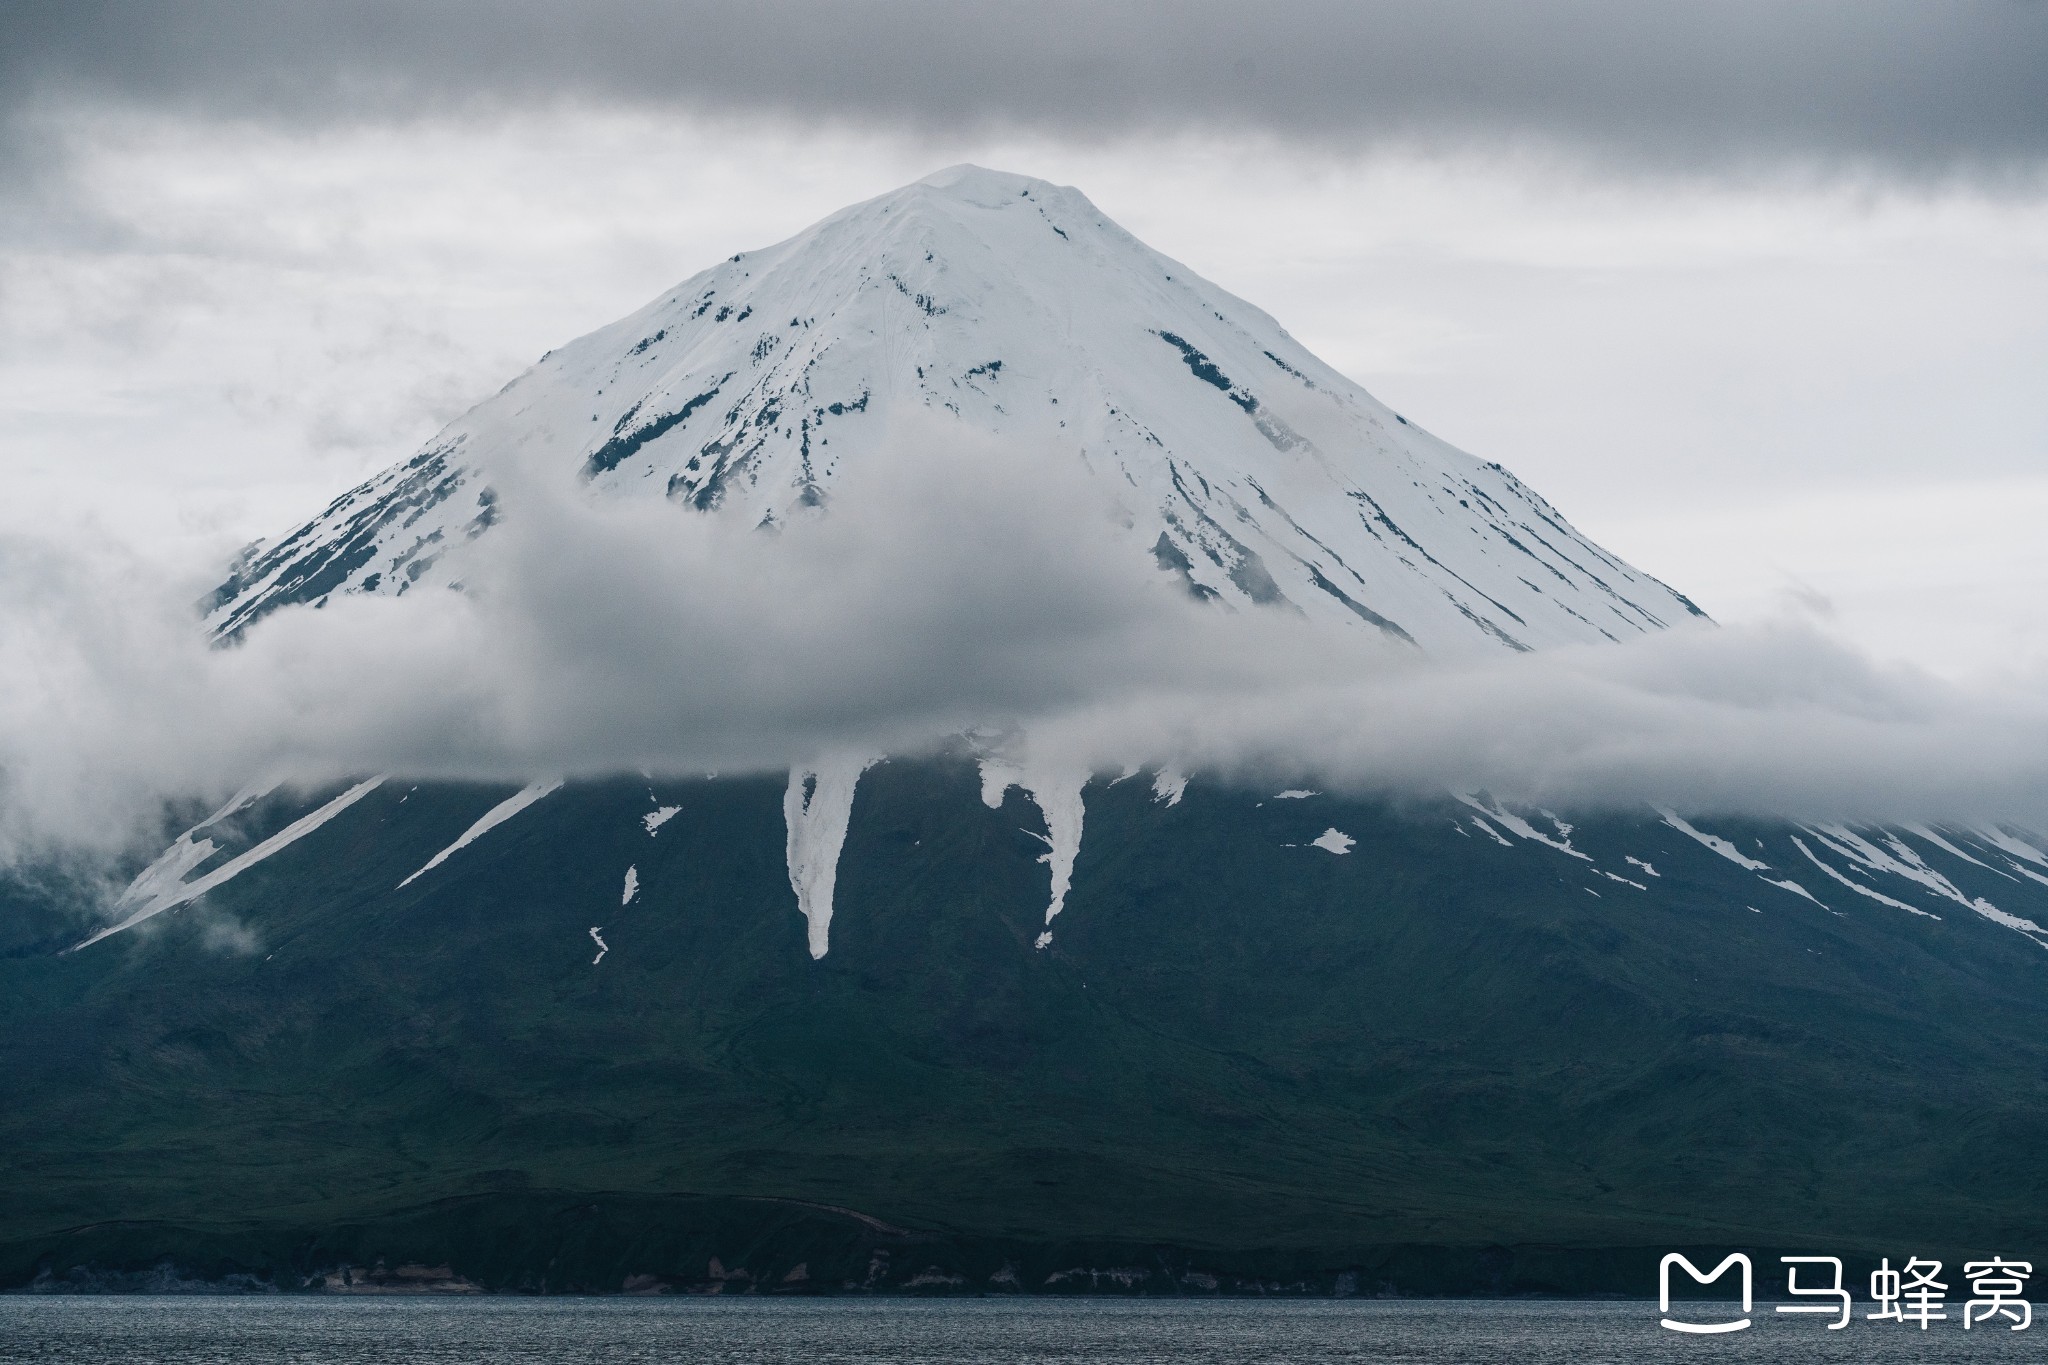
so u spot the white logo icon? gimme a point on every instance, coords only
(1703, 1328)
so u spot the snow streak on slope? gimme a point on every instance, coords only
(1245, 467)
(488, 821)
(1898, 859)
(1333, 840)
(816, 809)
(162, 884)
(1857, 886)
(2018, 852)
(1895, 858)
(1923, 832)
(1714, 842)
(1056, 791)
(1515, 824)
(1737, 856)
(1787, 884)
(1490, 832)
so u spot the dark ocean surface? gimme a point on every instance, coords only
(386, 1331)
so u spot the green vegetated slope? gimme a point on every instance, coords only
(1239, 1052)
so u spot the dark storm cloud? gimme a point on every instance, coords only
(1895, 85)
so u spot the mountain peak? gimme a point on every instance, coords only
(973, 182)
(1244, 466)
(979, 187)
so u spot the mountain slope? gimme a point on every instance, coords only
(589, 1044)
(1242, 463)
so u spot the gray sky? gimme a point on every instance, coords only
(1758, 293)
(1911, 87)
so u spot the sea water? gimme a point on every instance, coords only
(567, 1331)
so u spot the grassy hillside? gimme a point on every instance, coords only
(1435, 1059)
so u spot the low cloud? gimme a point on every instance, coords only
(1777, 719)
(954, 586)
(223, 933)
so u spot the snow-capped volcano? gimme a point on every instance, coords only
(890, 1022)
(1246, 466)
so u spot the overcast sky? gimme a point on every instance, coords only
(1758, 293)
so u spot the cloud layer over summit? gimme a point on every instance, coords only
(956, 586)
(1895, 85)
